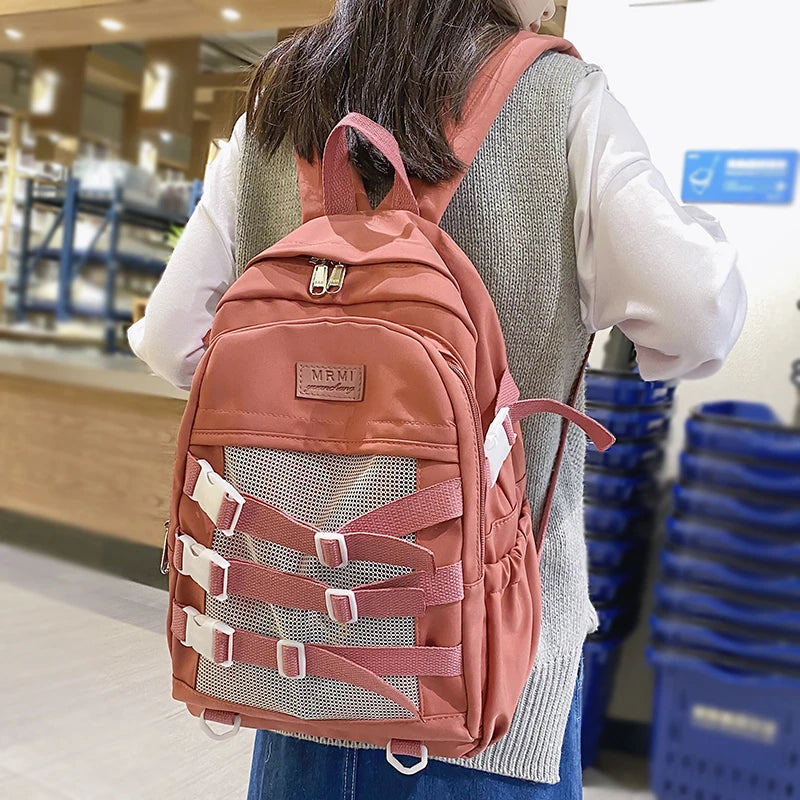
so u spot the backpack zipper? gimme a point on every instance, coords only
(456, 367)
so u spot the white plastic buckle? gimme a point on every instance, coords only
(350, 595)
(220, 737)
(196, 563)
(321, 537)
(211, 491)
(282, 645)
(413, 770)
(497, 447)
(200, 631)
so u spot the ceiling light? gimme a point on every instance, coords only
(113, 25)
(230, 14)
(13, 33)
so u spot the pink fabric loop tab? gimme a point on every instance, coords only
(220, 717)
(406, 747)
(601, 438)
(338, 177)
(508, 394)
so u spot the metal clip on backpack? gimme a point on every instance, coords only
(351, 436)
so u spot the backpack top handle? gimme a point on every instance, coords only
(339, 178)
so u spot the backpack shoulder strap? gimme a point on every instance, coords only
(486, 98)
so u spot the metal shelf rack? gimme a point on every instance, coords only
(113, 211)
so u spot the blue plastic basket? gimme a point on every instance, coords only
(615, 621)
(723, 734)
(622, 489)
(617, 522)
(691, 601)
(613, 587)
(752, 477)
(600, 661)
(627, 389)
(716, 538)
(689, 567)
(680, 632)
(614, 553)
(694, 501)
(743, 429)
(738, 411)
(632, 423)
(642, 455)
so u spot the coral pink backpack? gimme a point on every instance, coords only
(353, 553)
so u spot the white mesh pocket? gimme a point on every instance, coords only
(326, 491)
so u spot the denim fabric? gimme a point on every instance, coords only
(285, 768)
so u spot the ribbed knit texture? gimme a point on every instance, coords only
(513, 216)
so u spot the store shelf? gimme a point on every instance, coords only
(153, 266)
(50, 307)
(129, 213)
(121, 226)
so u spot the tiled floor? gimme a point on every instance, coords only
(85, 712)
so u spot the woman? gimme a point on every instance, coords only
(573, 231)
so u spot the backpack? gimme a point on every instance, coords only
(353, 555)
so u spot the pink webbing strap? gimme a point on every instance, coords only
(562, 444)
(486, 98)
(339, 188)
(360, 666)
(601, 438)
(445, 586)
(508, 397)
(415, 512)
(404, 598)
(376, 536)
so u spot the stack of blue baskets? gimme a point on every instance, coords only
(726, 632)
(621, 490)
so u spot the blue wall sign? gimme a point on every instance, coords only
(740, 176)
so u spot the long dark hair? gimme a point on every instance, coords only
(407, 64)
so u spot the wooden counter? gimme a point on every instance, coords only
(88, 444)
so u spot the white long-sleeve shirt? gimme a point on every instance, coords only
(663, 273)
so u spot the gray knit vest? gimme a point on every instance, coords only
(513, 216)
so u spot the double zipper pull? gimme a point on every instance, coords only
(327, 277)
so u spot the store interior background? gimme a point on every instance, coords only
(74, 77)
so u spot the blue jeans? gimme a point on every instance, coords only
(293, 769)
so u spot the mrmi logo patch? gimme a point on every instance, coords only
(342, 382)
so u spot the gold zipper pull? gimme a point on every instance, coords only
(336, 280)
(319, 278)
